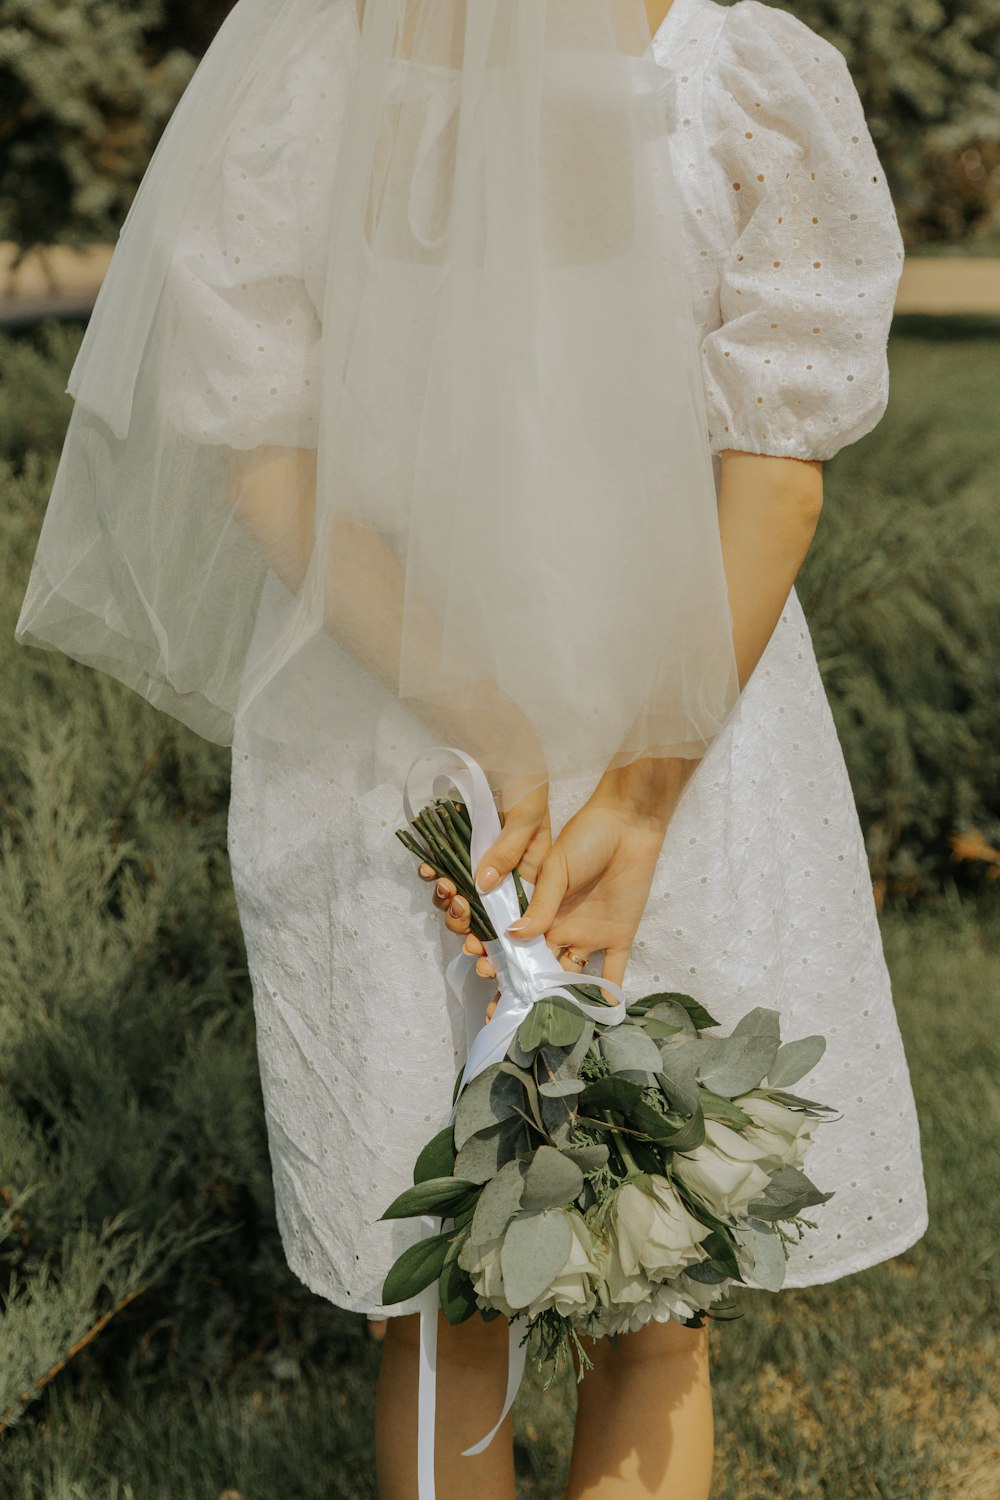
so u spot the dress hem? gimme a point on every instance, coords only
(376, 1311)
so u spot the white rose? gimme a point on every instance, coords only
(652, 1231)
(724, 1169)
(784, 1134)
(572, 1293)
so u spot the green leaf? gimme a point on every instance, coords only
(551, 1180)
(770, 1263)
(498, 1202)
(678, 1077)
(787, 1194)
(670, 1012)
(561, 1088)
(456, 1294)
(610, 1093)
(694, 1009)
(588, 1158)
(554, 1022)
(535, 1249)
(795, 1059)
(415, 1269)
(442, 1196)
(437, 1159)
(733, 1064)
(718, 1107)
(627, 1049)
(491, 1097)
(487, 1151)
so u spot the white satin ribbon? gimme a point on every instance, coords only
(527, 971)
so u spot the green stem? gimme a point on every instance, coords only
(631, 1165)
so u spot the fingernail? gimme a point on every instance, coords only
(442, 890)
(517, 926)
(457, 907)
(488, 879)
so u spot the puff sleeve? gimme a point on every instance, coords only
(246, 278)
(798, 367)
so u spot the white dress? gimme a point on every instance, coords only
(762, 894)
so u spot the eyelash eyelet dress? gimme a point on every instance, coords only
(762, 895)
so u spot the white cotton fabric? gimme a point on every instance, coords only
(762, 895)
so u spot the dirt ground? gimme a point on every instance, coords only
(54, 281)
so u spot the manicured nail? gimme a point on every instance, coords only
(442, 890)
(488, 879)
(516, 927)
(457, 907)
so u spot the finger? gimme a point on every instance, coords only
(426, 871)
(485, 969)
(492, 1006)
(444, 893)
(553, 880)
(506, 854)
(613, 967)
(473, 944)
(571, 965)
(458, 916)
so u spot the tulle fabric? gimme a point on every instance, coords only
(488, 501)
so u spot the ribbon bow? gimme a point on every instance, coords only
(527, 971)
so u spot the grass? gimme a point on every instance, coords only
(879, 1385)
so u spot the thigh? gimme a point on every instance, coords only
(669, 1340)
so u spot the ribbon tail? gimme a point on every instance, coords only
(517, 1353)
(427, 1389)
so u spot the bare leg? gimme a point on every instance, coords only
(471, 1384)
(644, 1426)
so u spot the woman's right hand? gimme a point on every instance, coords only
(595, 878)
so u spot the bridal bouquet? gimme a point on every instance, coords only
(604, 1165)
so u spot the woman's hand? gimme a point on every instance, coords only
(594, 880)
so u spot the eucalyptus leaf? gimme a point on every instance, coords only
(669, 1010)
(787, 1194)
(733, 1064)
(491, 1097)
(487, 1151)
(552, 1022)
(588, 1158)
(551, 1180)
(795, 1059)
(693, 1009)
(770, 1264)
(498, 1202)
(535, 1249)
(415, 1269)
(627, 1048)
(437, 1159)
(436, 1195)
(561, 1088)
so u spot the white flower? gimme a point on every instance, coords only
(724, 1169)
(661, 1303)
(783, 1133)
(572, 1293)
(652, 1232)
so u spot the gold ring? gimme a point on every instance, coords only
(574, 958)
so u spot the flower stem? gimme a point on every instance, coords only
(630, 1163)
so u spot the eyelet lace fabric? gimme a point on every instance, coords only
(762, 894)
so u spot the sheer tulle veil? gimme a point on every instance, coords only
(488, 504)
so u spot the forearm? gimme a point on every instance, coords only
(272, 493)
(768, 512)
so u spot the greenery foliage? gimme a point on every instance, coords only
(928, 72)
(89, 84)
